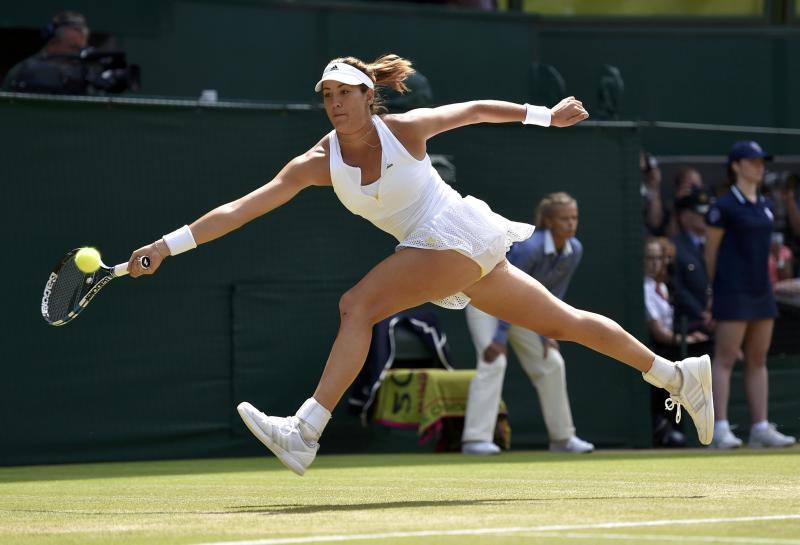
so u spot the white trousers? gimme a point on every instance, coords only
(546, 373)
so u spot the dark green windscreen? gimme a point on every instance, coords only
(155, 367)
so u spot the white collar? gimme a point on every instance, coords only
(550, 245)
(738, 194)
(741, 198)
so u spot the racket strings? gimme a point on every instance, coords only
(66, 291)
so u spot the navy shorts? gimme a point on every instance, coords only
(744, 306)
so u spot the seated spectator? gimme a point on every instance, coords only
(780, 260)
(659, 316)
(57, 68)
(781, 189)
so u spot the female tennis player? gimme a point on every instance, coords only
(451, 248)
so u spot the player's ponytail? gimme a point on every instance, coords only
(391, 71)
(387, 70)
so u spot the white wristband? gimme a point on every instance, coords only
(180, 240)
(537, 115)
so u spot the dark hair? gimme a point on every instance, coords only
(731, 174)
(387, 70)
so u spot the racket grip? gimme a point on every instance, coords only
(122, 268)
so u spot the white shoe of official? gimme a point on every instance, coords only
(573, 444)
(769, 438)
(695, 395)
(725, 439)
(479, 448)
(280, 435)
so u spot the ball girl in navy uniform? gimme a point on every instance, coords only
(452, 249)
(737, 253)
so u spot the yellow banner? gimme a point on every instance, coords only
(421, 398)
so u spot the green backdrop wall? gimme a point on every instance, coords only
(268, 50)
(157, 365)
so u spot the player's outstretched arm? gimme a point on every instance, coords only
(305, 170)
(432, 121)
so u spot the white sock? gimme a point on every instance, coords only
(760, 426)
(721, 425)
(664, 374)
(313, 419)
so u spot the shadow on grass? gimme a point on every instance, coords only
(111, 470)
(314, 509)
(333, 508)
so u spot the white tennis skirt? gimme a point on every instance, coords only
(469, 227)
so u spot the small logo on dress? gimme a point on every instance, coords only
(390, 165)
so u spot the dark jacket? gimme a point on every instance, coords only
(690, 281)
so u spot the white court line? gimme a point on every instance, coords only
(491, 531)
(658, 537)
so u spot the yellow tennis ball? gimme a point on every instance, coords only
(87, 260)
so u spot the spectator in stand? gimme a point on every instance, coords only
(737, 256)
(780, 260)
(686, 180)
(690, 283)
(659, 315)
(781, 189)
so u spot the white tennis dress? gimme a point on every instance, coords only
(411, 202)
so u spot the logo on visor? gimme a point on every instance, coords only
(332, 68)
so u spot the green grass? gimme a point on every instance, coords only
(516, 494)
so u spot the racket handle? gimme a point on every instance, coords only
(122, 268)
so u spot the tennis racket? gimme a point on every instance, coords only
(69, 290)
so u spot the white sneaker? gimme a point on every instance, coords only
(769, 438)
(573, 444)
(281, 436)
(725, 439)
(479, 448)
(695, 395)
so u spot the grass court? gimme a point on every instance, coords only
(691, 496)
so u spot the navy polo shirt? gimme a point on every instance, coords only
(744, 251)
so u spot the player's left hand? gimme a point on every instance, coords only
(568, 112)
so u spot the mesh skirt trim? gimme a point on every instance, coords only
(469, 227)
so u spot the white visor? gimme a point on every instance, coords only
(344, 73)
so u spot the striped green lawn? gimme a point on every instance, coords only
(522, 497)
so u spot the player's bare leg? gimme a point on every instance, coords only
(515, 297)
(405, 279)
